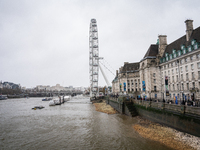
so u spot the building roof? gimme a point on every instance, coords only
(182, 41)
(130, 67)
(152, 51)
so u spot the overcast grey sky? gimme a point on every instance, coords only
(45, 42)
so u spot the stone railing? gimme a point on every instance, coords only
(169, 107)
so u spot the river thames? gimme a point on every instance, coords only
(74, 125)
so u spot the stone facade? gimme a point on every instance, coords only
(127, 80)
(179, 62)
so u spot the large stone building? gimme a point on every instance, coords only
(166, 71)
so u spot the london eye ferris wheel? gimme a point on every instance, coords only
(93, 58)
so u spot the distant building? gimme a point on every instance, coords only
(10, 85)
(58, 88)
(43, 88)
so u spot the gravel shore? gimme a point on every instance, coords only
(168, 136)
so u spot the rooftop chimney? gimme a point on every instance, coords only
(189, 29)
(162, 44)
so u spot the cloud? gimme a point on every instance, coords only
(47, 42)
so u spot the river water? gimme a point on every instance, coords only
(74, 125)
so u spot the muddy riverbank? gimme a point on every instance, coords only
(105, 108)
(167, 136)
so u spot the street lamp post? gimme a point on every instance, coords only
(179, 80)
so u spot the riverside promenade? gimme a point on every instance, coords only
(181, 117)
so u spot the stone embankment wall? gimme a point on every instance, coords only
(183, 118)
(118, 104)
(115, 103)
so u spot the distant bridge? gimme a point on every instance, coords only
(54, 93)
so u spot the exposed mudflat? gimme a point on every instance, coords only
(105, 108)
(168, 136)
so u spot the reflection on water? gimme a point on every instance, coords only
(74, 125)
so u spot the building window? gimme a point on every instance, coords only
(186, 68)
(154, 88)
(193, 84)
(172, 71)
(182, 77)
(168, 72)
(182, 86)
(185, 59)
(154, 74)
(177, 87)
(179, 53)
(172, 78)
(187, 76)
(172, 64)
(191, 58)
(196, 46)
(187, 86)
(182, 61)
(173, 87)
(198, 74)
(181, 69)
(198, 64)
(177, 78)
(193, 42)
(189, 49)
(192, 75)
(192, 66)
(154, 81)
(176, 70)
(198, 56)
